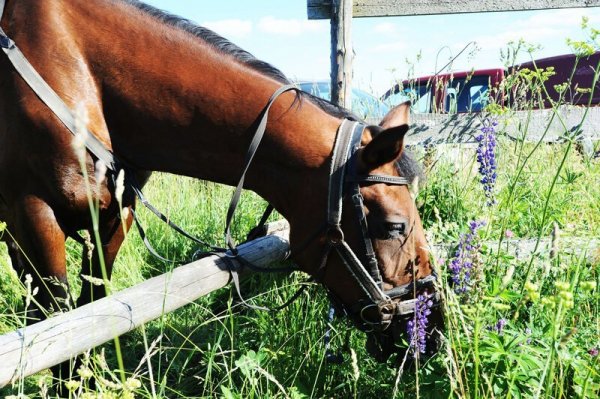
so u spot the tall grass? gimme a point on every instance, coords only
(528, 327)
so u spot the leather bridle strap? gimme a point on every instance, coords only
(339, 159)
(347, 139)
(395, 180)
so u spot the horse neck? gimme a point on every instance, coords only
(175, 104)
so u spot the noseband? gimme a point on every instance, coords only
(344, 181)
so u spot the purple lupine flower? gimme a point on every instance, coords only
(417, 327)
(486, 157)
(461, 265)
(528, 333)
(500, 326)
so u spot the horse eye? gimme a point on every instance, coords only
(395, 230)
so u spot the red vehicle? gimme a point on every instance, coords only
(564, 66)
(471, 91)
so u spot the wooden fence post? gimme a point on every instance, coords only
(341, 53)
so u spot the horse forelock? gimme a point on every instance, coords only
(408, 167)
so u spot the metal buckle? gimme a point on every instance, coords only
(5, 42)
(387, 311)
(335, 235)
(406, 307)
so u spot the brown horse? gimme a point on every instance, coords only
(165, 95)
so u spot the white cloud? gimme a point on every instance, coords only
(230, 27)
(542, 26)
(559, 18)
(290, 27)
(385, 28)
(389, 47)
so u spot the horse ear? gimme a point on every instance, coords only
(399, 115)
(385, 147)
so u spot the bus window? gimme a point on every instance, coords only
(419, 97)
(467, 95)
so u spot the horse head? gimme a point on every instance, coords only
(375, 263)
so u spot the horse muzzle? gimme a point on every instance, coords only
(390, 335)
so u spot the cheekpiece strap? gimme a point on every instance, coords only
(339, 158)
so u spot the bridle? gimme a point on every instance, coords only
(344, 182)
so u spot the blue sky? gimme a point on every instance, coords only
(279, 32)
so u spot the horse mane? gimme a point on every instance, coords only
(407, 166)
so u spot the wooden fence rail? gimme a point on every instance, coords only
(47, 343)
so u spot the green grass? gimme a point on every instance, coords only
(218, 348)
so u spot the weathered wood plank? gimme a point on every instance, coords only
(522, 249)
(42, 345)
(341, 53)
(581, 124)
(321, 9)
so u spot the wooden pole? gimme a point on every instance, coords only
(341, 53)
(60, 338)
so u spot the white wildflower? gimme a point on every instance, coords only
(355, 369)
(93, 280)
(72, 385)
(132, 384)
(85, 372)
(120, 187)
(100, 171)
